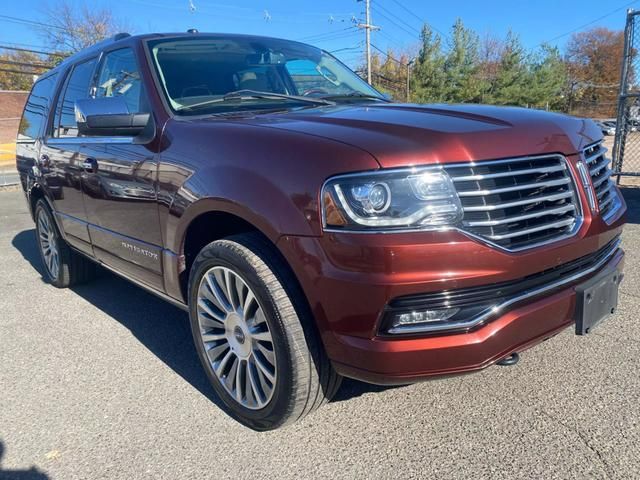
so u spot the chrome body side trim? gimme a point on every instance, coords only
(88, 140)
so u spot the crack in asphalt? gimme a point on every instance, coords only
(584, 439)
(609, 471)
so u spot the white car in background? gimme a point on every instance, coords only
(607, 127)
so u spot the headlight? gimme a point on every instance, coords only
(397, 199)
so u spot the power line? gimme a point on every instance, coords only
(19, 72)
(591, 22)
(387, 55)
(358, 47)
(18, 44)
(390, 80)
(7, 18)
(420, 19)
(242, 12)
(387, 12)
(23, 64)
(41, 52)
(337, 37)
(392, 40)
(413, 35)
(311, 38)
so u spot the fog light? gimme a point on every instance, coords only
(423, 316)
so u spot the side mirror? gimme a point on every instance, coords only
(109, 117)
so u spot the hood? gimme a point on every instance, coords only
(402, 135)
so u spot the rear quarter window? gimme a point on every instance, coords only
(36, 110)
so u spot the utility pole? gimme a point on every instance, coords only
(409, 63)
(367, 28)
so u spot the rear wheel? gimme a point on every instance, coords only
(63, 266)
(255, 336)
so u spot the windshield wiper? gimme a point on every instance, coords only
(356, 95)
(240, 95)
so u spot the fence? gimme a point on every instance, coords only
(626, 150)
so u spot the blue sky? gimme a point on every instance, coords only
(328, 23)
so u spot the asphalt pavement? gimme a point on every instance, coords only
(102, 381)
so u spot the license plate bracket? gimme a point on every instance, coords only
(597, 299)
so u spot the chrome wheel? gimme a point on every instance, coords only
(48, 244)
(236, 337)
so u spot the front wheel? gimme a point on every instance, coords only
(255, 336)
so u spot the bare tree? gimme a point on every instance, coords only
(71, 29)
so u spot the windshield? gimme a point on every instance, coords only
(195, 72)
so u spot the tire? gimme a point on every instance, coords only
(279, 336)
(63, 266)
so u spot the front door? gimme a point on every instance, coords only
(120, 193)
(62, 165)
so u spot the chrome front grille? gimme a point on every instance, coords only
(597, 164)
(518, 203)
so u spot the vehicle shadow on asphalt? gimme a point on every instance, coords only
(632, 197)
(30, 474)
(159, 326)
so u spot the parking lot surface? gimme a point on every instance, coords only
(102, 381)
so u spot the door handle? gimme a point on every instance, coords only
(90, 165)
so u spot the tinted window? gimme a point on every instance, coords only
(119, 77)
(36, 109)
(76, 89)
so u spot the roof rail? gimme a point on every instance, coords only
(120, 36)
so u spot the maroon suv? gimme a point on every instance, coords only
(311, 228)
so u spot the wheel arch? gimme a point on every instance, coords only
(209, 220)
(35, 193)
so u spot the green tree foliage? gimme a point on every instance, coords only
(548, 80)
(513, 79)
(461, 66)
(468, 69)
(428, 78)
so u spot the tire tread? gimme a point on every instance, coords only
(314, 379)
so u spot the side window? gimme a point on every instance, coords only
(77, 88)
(36, 109)
(119, 77)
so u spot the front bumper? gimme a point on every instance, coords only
(399, 361)
(350, 280)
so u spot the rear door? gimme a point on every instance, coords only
(31, 129)
(65, 163)
(120, 193)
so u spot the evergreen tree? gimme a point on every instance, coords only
(513, 79)
(428, 72)
(461, 66)
(548, 77)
